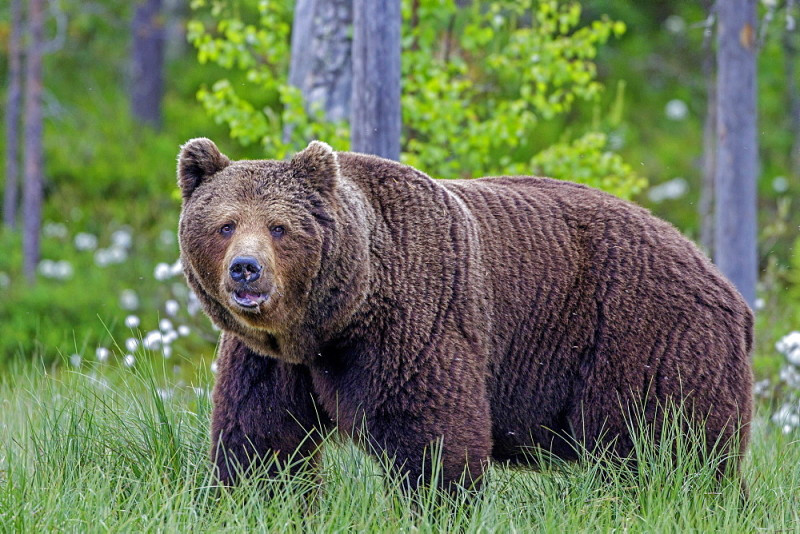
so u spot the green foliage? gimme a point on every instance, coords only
(262, 53)
(794, 282)
(103, 172)
(83, 310)
(605, 172)
(477, 84)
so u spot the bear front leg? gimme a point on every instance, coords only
(437, 428)
(264, 414)
(449, 451)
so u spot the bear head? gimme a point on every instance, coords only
(254, 236)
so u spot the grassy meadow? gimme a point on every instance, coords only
(109, 449)
(106, 362)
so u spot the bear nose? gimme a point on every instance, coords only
(245, 269)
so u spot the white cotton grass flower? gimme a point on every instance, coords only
(102, 258)
(55, 230)
(669, 190)
(675, 24)
(122, 238)
(179, 290)
(790, 375)
(131, 344)
(184, 330)
(166, 351)
(172, 307)
(85, 241)
(46, 268)
(169, 337)
(176, 268)
(112, 255)
(75, 360)
(787, 417)
(102, 354)
(64, 270)
(165, 393)
(129, 360)
(676, 110)
(57, 270)
(132, 321)
(165, 325)
(167, 237)
(129, 300)
(117, 254)
(162, 271)
(789, 346)
(762, 388)
(214, 367)
(152, 341)
(192, 304)
(780, 184)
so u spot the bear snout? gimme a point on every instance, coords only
(245, 269)
(249, 284)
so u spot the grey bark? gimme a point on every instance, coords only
(790, 60)
(33, 158)
(176, 12)
(706, 204)
(737, 146)
(321, 65)
(13, 104)
(375, 118)
(147, 62)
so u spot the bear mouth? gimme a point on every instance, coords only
(248, 299)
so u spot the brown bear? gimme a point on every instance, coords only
(487, 316)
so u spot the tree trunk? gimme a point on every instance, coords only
(706, 204)
(321, 65)
(13, 103)
(790, 59)
(147, 61)
(376, 120)
(737, 145)
(32, 199)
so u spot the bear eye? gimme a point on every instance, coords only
(277, 231)
(227, 229)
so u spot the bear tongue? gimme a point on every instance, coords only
(248, 298)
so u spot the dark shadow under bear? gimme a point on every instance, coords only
(490, 315)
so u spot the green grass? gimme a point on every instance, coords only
(103, 450)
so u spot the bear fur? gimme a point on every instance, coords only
(487, 316)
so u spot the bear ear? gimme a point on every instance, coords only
(318, 166)
(198, 160)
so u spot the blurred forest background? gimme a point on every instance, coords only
(618, 95)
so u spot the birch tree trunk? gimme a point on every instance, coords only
(375, 119)
(32, 195)
(706, 203)
(147, 62)
(737, 146)
(321, 65)
(790, 60)
(13, 104)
